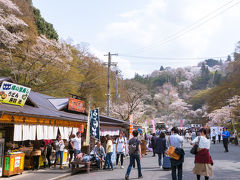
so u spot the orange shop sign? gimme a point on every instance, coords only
(76, 105)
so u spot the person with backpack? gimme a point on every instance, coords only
(160, 148)
(120, 150)
(135, 154)
(176, 141)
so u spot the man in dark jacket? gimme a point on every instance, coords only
(153, 143)
(160, 147)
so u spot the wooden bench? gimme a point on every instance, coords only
(80, 166)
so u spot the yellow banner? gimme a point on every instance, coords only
(11, 93)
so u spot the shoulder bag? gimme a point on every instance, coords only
(171, 151)
(194, 149)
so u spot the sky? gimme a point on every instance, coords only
(175, 33)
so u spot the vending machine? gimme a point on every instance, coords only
(1, 155)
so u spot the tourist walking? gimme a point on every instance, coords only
(59, 151)
(214, 135)
(153, 143)
(225, 136)
(203, 161)
(134, 146)
(219, 135)
(193, 135)
(76, 144)
(109, 151)
(161, 148)
(176, 141)
(99, 154)
(187, 136)
(121, 148)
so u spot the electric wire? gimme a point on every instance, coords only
(174, 58)
(193, 26)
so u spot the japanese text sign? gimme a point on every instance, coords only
(76, 105)
(11, 93)
(94, 123)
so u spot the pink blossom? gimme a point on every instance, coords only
(9, 6)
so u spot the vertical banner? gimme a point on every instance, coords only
(131, 126)
(153, 124)
(94, 123)
(88, 127)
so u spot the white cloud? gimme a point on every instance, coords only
(148, 27)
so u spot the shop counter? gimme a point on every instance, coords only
(13, 164)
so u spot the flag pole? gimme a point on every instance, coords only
(89, 135)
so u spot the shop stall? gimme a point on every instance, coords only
(27, 117)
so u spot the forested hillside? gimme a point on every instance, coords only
(34, 56)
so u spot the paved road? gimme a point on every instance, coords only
(226, 167)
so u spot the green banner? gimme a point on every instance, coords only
(6, 166)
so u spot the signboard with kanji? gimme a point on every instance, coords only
(11, 93)
(76, 105)
(94, 123)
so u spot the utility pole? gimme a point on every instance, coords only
(108, 85)
(117, 95)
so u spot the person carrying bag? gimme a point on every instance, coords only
(171, 151)
(203, 160)
(176, 153)
(194, 149)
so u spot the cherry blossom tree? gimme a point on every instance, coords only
(11, 27)
(30, 65)
(180, 110)
(186, 85)
(31, 60)
(225, 114)
(220, 116)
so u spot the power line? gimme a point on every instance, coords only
(171, 58)
(193, 26)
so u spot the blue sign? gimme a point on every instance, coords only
(94, 123)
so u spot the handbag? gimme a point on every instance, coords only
(194, 149)
(171, 151)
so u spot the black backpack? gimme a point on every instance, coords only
(133, 147)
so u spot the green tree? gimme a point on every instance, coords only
(43, 26)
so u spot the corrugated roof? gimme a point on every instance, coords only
(45, 108)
